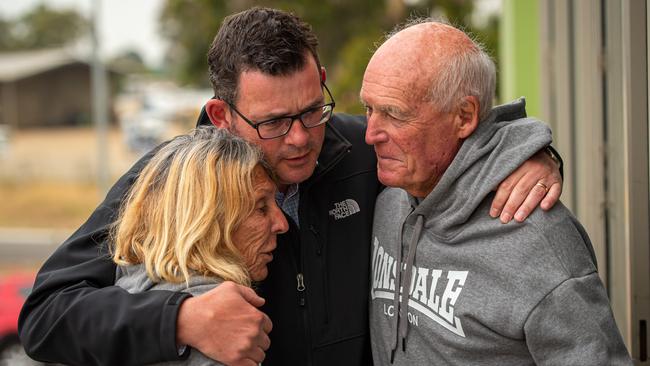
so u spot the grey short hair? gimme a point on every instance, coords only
(467, 73)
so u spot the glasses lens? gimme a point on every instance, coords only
(274, 128)
(311, 118)
(317, 116)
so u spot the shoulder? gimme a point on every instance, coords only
(134, 279)
(562, 234)
(351, 128)
(391, 207)
(391, 196)
(348, 123)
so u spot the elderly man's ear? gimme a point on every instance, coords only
(219, 113)
(467, 116)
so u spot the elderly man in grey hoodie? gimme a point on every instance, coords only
(450, 286)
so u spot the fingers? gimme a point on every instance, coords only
(503, 193)
(552, 196)
(253, 346)
(537, 193)
(267, 325)
(249, 295)
(258, 355)
(519, 194)
(264, 342)
(516, 198)
(245, 362)
(255, 357)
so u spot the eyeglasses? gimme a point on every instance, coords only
(280, 126)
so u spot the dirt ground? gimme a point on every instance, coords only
(48, 176)
(63, 154)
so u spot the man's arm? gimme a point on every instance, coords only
(76, 316)
(538, 181)
(574, 325)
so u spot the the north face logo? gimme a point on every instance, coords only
(344, 209)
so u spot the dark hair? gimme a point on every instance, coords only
(268, 40)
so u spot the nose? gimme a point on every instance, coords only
(280, 224)
(374, 133)
(298, 135)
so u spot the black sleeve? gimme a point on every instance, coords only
(75, 315)
(556, 156)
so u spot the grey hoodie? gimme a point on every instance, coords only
(481, 292)
(134, 279)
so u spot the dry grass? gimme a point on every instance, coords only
(46, 204)
(61, 155)
(47, 176)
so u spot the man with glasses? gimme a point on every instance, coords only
(269, 89)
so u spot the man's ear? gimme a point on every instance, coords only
(323, 75)
(467, 117)
(219, 113)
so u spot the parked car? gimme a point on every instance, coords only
(14, 289)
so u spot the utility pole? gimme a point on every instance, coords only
(99, 104)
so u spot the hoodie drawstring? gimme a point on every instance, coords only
(400, 302)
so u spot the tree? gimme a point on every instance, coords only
(128, 62)
(347, 31)
(190, 26)
(42, 27)
(6, 38)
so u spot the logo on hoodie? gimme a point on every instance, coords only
(433, 292)
(344, 209)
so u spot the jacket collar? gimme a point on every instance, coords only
(335, 147)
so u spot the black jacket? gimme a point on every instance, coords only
(76, 316)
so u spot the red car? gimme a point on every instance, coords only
(14, 289)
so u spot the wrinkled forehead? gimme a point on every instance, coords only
(263, 178)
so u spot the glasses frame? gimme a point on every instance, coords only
(298, 116)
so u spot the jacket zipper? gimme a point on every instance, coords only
(301, 289)
(302, 302)
(319, 252)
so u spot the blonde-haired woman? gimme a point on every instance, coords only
(201, 212)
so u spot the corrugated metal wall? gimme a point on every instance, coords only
(594, 87)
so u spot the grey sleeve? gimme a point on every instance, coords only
(574, 325)
(196, 290)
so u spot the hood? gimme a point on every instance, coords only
(500, 144)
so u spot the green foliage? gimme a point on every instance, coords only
(128, 62)
(42, 27)
(348, 72)
(6, 39)
(347, 31)
(190, 26)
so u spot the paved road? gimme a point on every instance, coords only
(28, 247)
